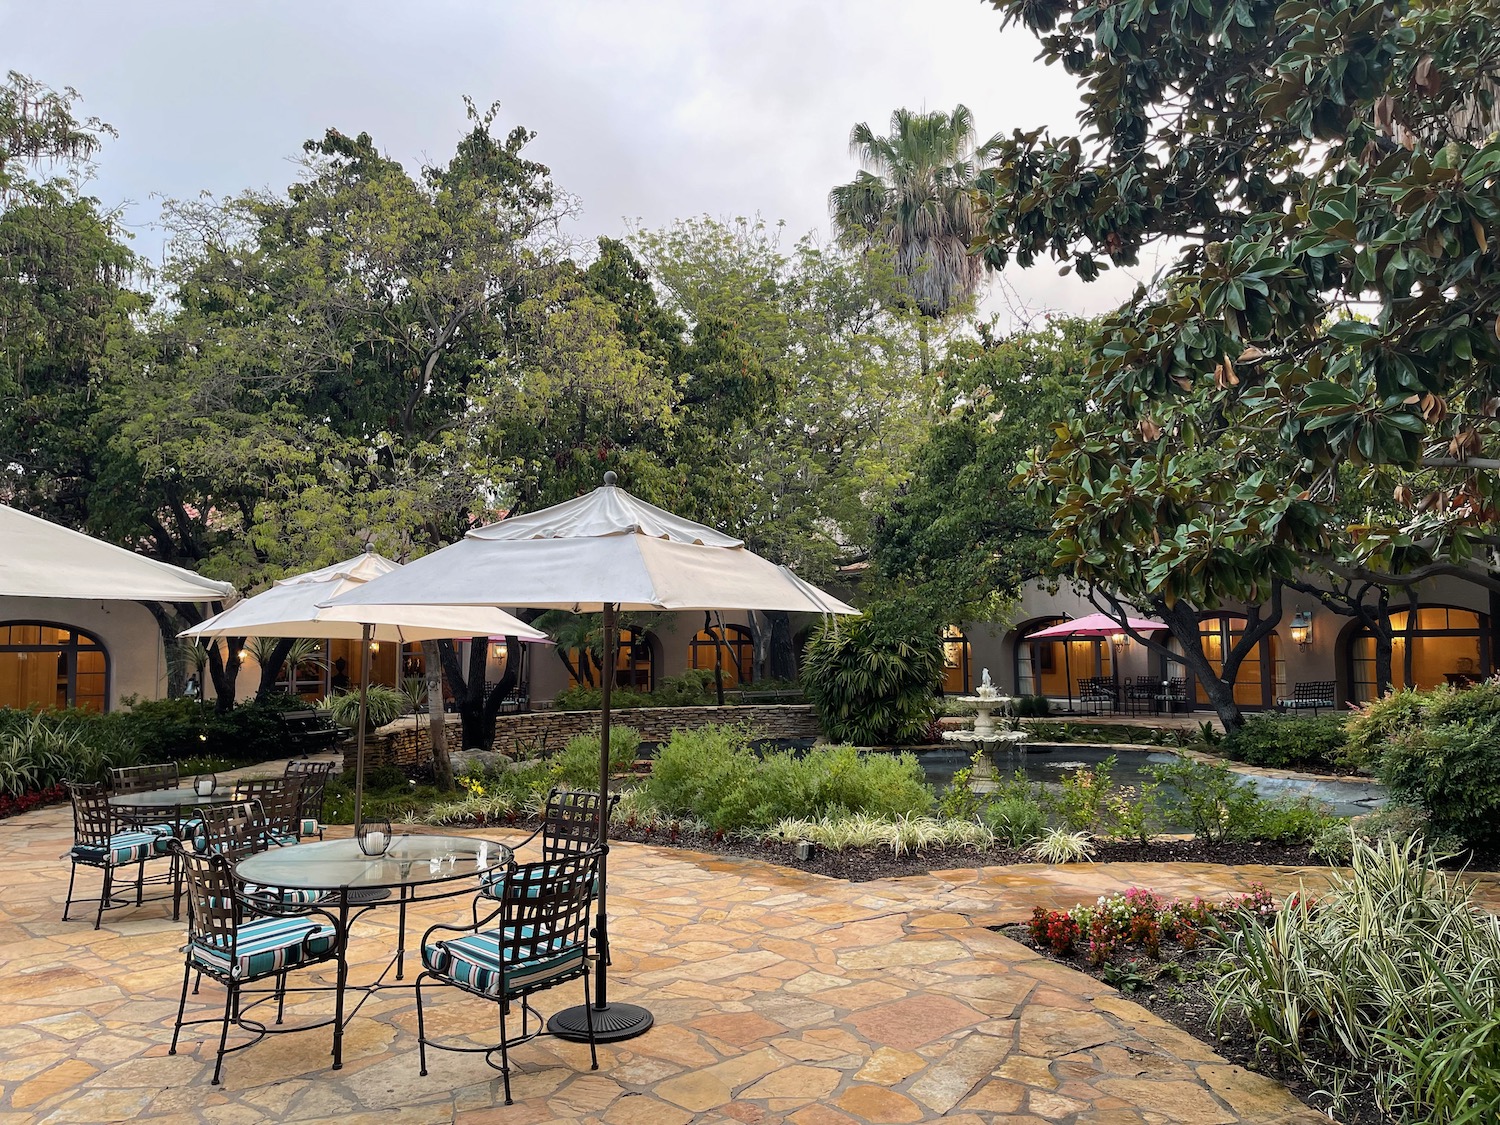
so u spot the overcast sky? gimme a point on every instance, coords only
(646, 110)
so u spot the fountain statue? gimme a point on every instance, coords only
(985, 731)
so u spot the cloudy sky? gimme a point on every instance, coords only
(646, 110)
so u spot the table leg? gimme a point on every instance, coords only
(401, 935)
(341, 981)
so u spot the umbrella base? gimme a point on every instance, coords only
(612, 1023)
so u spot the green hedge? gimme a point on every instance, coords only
(1289, 742)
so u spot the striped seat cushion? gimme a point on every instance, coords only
(125, 847)
(492, 880)
(474, 961)
(290, 896)
(311, 827)
(267, 946)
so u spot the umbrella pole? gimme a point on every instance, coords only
(1068, 668)
(359, 736)
(611, 1022)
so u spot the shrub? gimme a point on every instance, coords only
(382, 705)
(1392, 956)
(872, 678)
(1372, 729)
(713, 774)
(1015, 821)
(1209, 799)
(1033, 706)
(901, 833)
(1453, 772)
(1293, 820)
(1057, 845)
(1284, 742)
(694, 688)
(577, 767)
(1082, 794)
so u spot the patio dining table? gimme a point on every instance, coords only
(168, 806)
(413, 868)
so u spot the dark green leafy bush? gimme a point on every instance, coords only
(1453, 772)
(382, 705)
(873, 678)
(1015, 821)
(1208, 798)
(1377, 723)
(1285, 742)
(577, 767)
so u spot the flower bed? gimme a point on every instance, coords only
(31, 799)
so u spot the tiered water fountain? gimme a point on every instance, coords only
(987, 733)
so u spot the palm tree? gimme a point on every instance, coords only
(914, 195)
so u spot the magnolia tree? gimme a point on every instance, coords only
(1324, 176)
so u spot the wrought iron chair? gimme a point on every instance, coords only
(538, 938)
(314, 777)
(235, 831)
(570, 827)
(280, 801)
(102, 842)
(137, 779)
(230, 945)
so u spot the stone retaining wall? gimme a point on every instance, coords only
(404, 742)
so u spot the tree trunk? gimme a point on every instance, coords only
(224, 671)
(783, 662)
(437, 727)
(1413, 618)
(271, 671)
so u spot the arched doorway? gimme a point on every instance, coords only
(48, 665)
(1053, 667)
(1446, 645)
(729, 644)
(635, 663)
(957, 660)
(1261, 677)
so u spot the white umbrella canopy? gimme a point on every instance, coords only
(292, 608)
(606, 551)
(40, 559)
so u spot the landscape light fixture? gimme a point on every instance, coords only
(1302, 629)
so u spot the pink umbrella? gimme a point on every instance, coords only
(1094, 625)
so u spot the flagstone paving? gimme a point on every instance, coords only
(779, 997)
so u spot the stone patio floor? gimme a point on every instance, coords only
(779, 997)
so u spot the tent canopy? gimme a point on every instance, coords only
(1094, 625)
(43, 560)
(291, 608)
(606, 548)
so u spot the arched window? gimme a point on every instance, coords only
(635, 663)
(1446, 645)
(1054, 667)
(729, 644)
(1262, 674)
(956, 658)
(52, 666)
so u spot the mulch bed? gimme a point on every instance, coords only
(863, 864)
(1176, 989)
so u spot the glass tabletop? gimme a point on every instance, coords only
(184, 796)
(410, 861)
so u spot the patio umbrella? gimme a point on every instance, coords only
(291, 608)
(603, 552)
(43, 560)
(1094, 625)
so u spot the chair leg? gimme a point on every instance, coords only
(231, 1003)
(68, 902)
(187, 971)
(140, 882)
(504, 1053)
(421, 1031)
(104, 894)
(280, 996)
(588, 1017)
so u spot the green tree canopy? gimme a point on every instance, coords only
(1326, 176)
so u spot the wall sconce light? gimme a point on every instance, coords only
(1302, 628)
(1119, 639)
(374, 646)
(497, 651)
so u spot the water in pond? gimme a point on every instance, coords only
(1048, 762)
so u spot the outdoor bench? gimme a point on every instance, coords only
(306, 732)
(1315, 694)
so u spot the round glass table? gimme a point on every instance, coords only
(144, 802)
(412, 869)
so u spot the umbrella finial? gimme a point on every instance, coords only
(610, 478)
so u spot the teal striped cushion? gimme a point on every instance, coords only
(126, 847)
(291, 896)
(311, 827)
(492, 880)
(267, 946)
(474, 962)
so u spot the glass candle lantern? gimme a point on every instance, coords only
(205, 784)
(374, 837)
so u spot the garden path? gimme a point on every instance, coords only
(779, 997)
